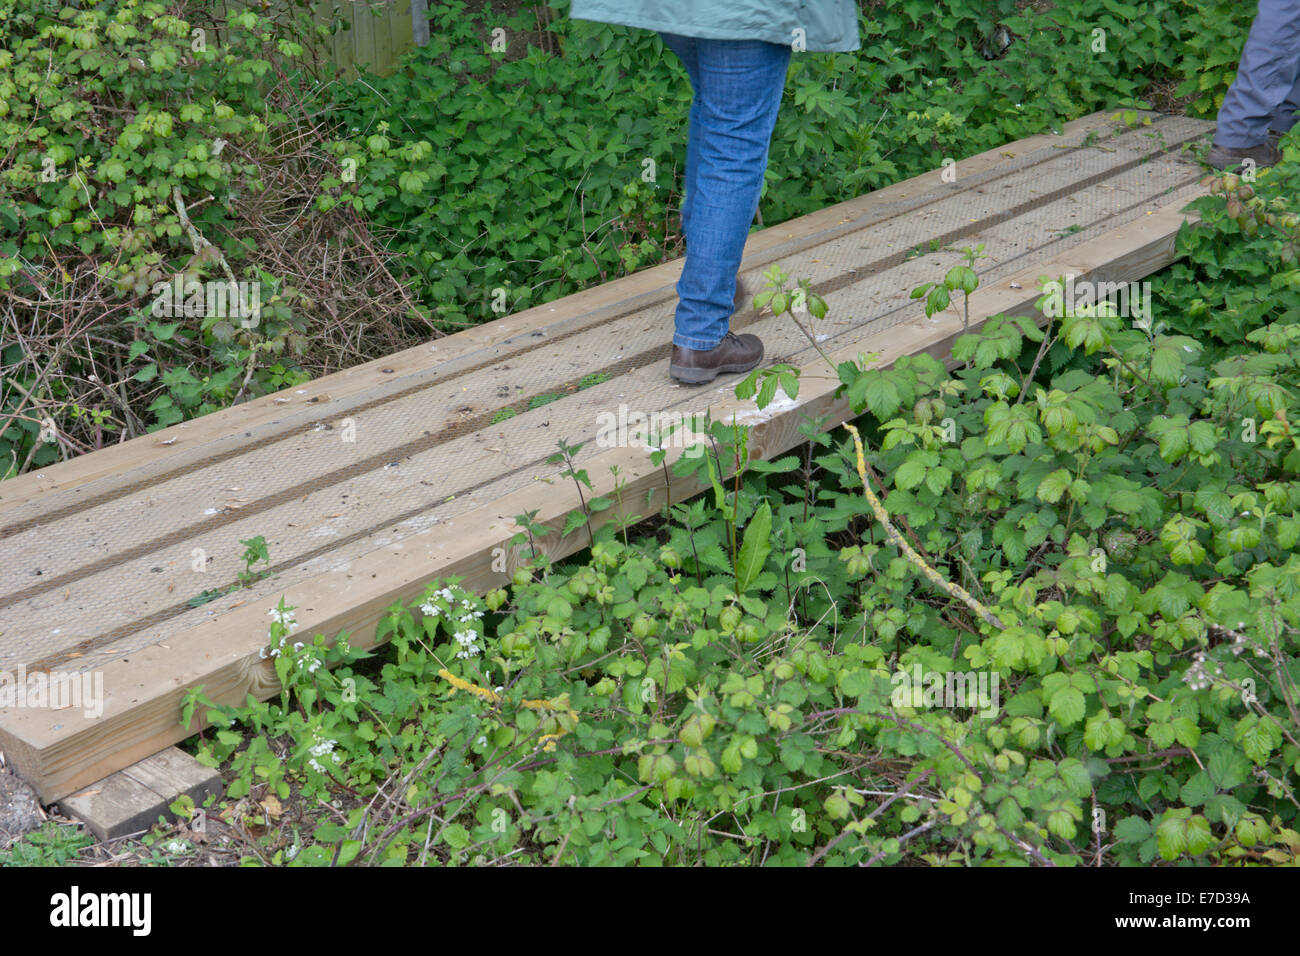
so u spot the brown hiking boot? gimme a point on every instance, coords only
(735, 353)
(1227, 157)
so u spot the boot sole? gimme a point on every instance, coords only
(702, 376)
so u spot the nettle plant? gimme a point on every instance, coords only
(586, 154)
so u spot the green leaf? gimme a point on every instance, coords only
(1167, 364)
(348, 851)
(1198, 834)
(910, 473)
(1024, 705)
(937, 479)
(1171, 837)
(755, 548)
(1051, 488)
(1186, 731)
(1197, 790)
(456, 836)
(1227, 768)
(575, 520)
(1067, 706)
(937, 300)
(880, 394)
(1132, 830)
(1258, 738)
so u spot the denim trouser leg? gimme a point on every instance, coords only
(738, 86)
(1266, 77)
(1285, 117)
(685, 49)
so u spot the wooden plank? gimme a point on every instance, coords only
(401, 31)
(188, 442)
(144, 693)
(381, 497)
(77, 597)
(480, 393)
(131, 800)
(363, 35)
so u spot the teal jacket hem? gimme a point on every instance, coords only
(827, 31)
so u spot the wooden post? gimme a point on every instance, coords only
(420, 21)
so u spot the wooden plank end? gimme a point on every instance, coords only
(131, 800)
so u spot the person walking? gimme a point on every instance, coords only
(736, 53)
(1260, 106)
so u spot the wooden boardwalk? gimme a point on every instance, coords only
(370, 482)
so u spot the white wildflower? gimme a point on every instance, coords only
(468, 641)
(285, 619)
(1198, 676)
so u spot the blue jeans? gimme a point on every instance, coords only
(1266, 93)
(738, 86)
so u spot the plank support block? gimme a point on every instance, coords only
(132, 800)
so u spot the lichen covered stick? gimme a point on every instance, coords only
(935, 578)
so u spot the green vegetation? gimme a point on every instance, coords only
(442, 145)
(1090, 529)
(54, 844)
(1095, 524)
(154, 116)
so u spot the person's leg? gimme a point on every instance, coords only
(739, 84)
(1266, 76)
(1285, 115)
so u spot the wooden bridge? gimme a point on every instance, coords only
(371, 482)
